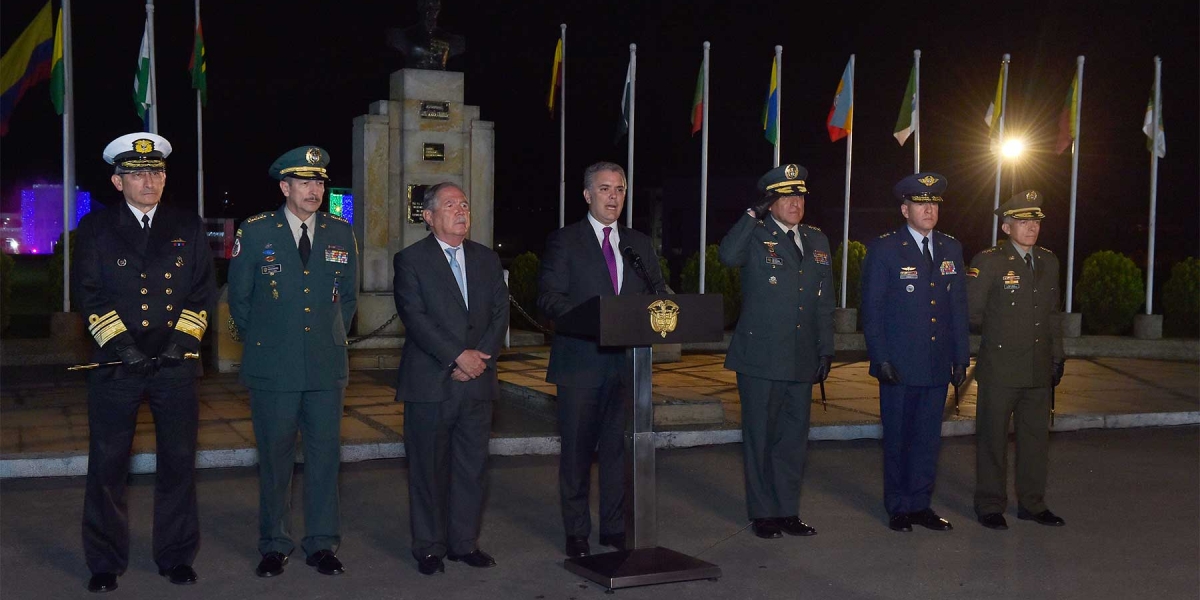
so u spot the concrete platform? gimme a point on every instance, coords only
(44, 431)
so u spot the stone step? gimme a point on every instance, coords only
(672, 406)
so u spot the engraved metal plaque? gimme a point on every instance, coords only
(433, 152)
(438, 111)
(416, 203)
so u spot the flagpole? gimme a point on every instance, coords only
(1000, 140)
(68, 125)
(199, 137)
(846, 207)
(916, 123)
(778, 100)
(704, 174)
(153, 78)
(1153, 181)
(629, 165)
(1078, 101)
(562, 129)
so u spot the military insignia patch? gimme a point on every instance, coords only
(772, 280)
(143, 146)
(313, 156)
(178, 242)
(337, 254)
(121, 262)
(973, 272)
(271, 269)
(178, 261)
(664, 316)
(909, 288)
(821, 258)
(948, 268)
(1011, 281)
(237, 245)
(771, 247)
(928, 180)
(774, 261)
(908, 272)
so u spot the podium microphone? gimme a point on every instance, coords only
(639, 267)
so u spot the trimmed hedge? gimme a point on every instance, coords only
(1110, 292)
(858, 252)
(522, 285)
(719, 279)
(1181, 299)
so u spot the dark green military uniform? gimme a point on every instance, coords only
(786, 326)
(1017, 309)
(293, 319)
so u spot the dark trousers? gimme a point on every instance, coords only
(318, 417)
(912, 437)
(592, 420)
(112, 419)
(775, 419)
(447, 448)
(1030, 412)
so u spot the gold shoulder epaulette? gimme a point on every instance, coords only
(259, 217)
(1045, 249)
(335, 217)
(992, 249)
(949, 236)
(812, 227)
(885, 235)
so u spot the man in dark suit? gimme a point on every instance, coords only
(1014, 298)
(451, 296)
(292, 293)
(143, 275)
(783, 344)
(914, 311)
(582, 261)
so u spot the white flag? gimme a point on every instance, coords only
(1159, 144)
(142, 98)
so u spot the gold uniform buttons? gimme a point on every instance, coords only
(308, 329)
(305, 290)
(933, 320)
(145, 291)
(143, 275)
(933, 338)
(306, 271)
(933, 302)
(145, 307)
(167, 275)
(167, 291)
(145, 323)
(170, 323)
(170, 307)
(932, 284)
(307, 309)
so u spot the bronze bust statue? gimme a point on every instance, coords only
(425, 45)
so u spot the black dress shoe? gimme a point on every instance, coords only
(900, 522)
(271, 564)
(1043, 518)
(577, 546)
(430, 564)
(993, 521)
(615, 540)
(325, 562)
(794, 526)
(930, 520)
(478, 559)
(767, 529)
(179, 574)
(102, 582)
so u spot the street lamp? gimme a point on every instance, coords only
(1011, 150)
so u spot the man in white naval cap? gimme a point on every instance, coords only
(143, 278)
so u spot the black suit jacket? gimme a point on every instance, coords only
(165, 294)
(573, 271)
(438, 326)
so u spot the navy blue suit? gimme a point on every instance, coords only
(916, 319)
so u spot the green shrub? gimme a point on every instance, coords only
(665, 268)
(1110, 292)
(718, 279)
(1181, 299)
(858, 252)
(54, 289)
(6, 268)
(522, 285)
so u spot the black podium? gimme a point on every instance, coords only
(634, 323)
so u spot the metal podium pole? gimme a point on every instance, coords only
(644, 562)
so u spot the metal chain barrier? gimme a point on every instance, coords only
(373, 333)
(511, 300)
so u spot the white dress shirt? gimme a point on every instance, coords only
(137, 214)
(796, 229)
(294, 223)
(917, 237)
(461, 257)
(614, 238)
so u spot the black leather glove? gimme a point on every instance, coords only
(132, 359)
(888, 374)
(170, 356)
(1058, 371)
(826, 363)
(958, 375)
(763, 206)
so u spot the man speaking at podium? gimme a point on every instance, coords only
(593, 257)
(783, 344)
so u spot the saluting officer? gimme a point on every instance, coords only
(783, 344)
(914, 311)
(1014, 295)
(292, 293)
(143, 275)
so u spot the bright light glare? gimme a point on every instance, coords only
(1012, 148)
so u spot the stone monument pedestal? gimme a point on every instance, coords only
(1072, 325)
(845, 320)
(421, 135)
(1147, 327)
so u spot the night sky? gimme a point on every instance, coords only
(287, 74)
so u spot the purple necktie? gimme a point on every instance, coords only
(610, 257)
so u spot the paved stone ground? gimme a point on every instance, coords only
(1131, 499)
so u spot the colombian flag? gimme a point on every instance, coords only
(770, 117)
(1066, 119)
(26, 63)
(841, 114)
(555, 77)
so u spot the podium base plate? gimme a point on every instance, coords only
(642, 566)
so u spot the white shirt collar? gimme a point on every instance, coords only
(137, 214)
(294, 224)
(1019, 251)
(614, 236)
(799, 243)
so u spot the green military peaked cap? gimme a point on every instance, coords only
(1025, 205)
(784, 180)
(305, 162)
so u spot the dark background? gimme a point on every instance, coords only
(286, 74)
